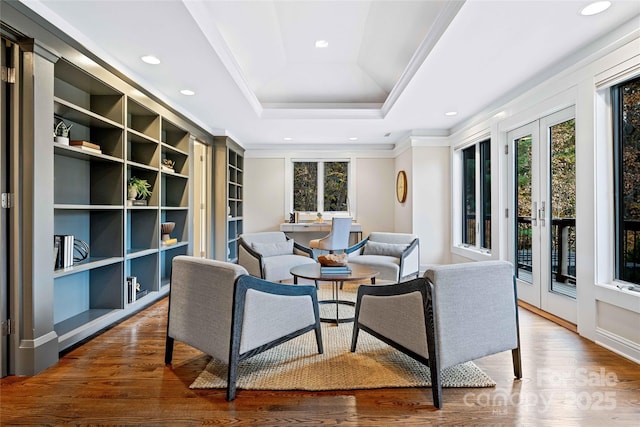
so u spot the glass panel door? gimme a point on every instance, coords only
(544, 200)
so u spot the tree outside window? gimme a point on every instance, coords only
(626, 120)
(320, 186)
(476, 195)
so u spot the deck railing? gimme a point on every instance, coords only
(563, 248)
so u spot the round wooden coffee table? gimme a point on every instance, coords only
(314, 272)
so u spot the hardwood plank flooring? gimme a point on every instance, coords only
(119, 378)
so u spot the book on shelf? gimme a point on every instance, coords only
(64, 245)
(171, 241)
(132, 284)
(90, 150)
(84, 144)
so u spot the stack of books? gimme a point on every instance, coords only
(86, 146)
(337, 269)
(63, 248)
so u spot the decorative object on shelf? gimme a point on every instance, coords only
(61, 133)
(138, 190)
(292, 218)
(168, 165)
(319, 215)
(80, 250)
(333, 260)
(166, 228)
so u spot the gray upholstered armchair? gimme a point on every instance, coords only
(454, 314)
(395, 255)
(270, 255)
(219, 309)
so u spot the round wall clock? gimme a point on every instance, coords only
(401, 186)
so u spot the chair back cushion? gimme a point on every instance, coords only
(385, 249)
(340, 230)
(200, 303)
(384, 237)
(264, 237)
(475, 310)
(273, 249)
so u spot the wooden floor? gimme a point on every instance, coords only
(119, 378)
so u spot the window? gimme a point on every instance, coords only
(320, 186)
(476, 195)
(626, 139)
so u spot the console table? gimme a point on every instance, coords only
(303, 232)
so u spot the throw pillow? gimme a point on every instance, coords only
(386, 249)
(273, 249)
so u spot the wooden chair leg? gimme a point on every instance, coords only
(517, 362)
(354, 338)
(168, 350)
(232, 376)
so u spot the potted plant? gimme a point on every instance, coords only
(138, 189)
(61, 133)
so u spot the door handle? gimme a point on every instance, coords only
(541, 214)
(534, 213)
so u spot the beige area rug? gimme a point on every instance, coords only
(296, 365)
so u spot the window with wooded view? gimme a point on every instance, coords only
(320, 186)
(476, 214)
(626, 127)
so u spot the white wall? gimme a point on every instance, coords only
(265, 190)
(605, 312)
(431, 179)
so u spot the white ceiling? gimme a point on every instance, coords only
(391, 68)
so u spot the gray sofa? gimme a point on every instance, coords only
(395, 255)
(270, 255)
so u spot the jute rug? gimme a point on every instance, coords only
(296, 365)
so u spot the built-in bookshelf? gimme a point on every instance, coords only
(229, 180)
(90, 201)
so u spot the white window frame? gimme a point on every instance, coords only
(320, 177)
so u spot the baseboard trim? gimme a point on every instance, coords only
(555, 319)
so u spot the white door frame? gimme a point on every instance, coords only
(538, 293)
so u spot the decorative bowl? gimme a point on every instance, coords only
(333, 260)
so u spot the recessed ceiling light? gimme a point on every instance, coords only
(451, 113)
(187, 92)
(353, 138)
(287, 138)
(150, 59)
(595, 8)
(322, 43)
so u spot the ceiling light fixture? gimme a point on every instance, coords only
(353, 138)
(595, 8)
(150, 59)
(322, 43)
(451, 113)
(287, 138)
(187, 92)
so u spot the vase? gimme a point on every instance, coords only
(61, 140)
(132, 193)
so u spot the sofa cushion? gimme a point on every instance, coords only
(385, 249)
(273, 249)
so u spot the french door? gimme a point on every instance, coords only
(543, 198)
